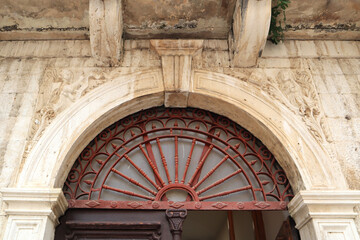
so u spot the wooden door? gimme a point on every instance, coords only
(102, 224)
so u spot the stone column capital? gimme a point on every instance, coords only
(32, 201)
(322, 214)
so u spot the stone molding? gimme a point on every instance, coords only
(295, 89)
(117, 90)
(303, 159)
(39, 202)
(251, 22)
(305, 151)
(25, 227)
(284, 134)
(176, 60)
(179, 47)
(32, 213)
(106, 29)
(328, 213)
(61, 87)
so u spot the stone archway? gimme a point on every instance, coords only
(285, 135)
(320, 190)
(178, 159)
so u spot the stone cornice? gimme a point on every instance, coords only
(35, 201)
(308, 205)
(176, 47)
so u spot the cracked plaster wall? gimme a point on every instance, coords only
(318, 80)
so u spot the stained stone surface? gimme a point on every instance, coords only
(179, 18)
(41, 14)
(66, 19)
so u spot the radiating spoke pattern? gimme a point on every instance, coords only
(171, 158)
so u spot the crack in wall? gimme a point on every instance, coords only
(15, 27)
(320, 27)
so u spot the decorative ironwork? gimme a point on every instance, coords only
(176, 218)
(165, 158)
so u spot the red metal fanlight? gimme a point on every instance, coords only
(177, 158)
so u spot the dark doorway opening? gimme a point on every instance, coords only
(239, 225)
(106, 224)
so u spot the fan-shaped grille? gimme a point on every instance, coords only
(171, 158)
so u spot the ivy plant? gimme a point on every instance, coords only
(276, 31)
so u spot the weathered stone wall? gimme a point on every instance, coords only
(66, 19)
(331, 107)
(335, 70)
(40, 79)
(319, 81)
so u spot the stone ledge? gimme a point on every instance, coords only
(312, 49)
(310, 205)
(45, 49)
(34, 201)
(178, 47)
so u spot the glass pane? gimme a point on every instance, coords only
(176, 195)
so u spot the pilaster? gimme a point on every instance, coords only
(32, 213)
(325, 214)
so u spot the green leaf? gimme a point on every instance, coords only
(276, 31)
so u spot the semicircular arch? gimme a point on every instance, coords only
(304, 160)
(190, 155)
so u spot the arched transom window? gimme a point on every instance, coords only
(176, 158)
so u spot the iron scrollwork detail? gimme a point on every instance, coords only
(176, 218)
(214, 161)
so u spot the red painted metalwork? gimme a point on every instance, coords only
(190, 205)
(217, 163)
